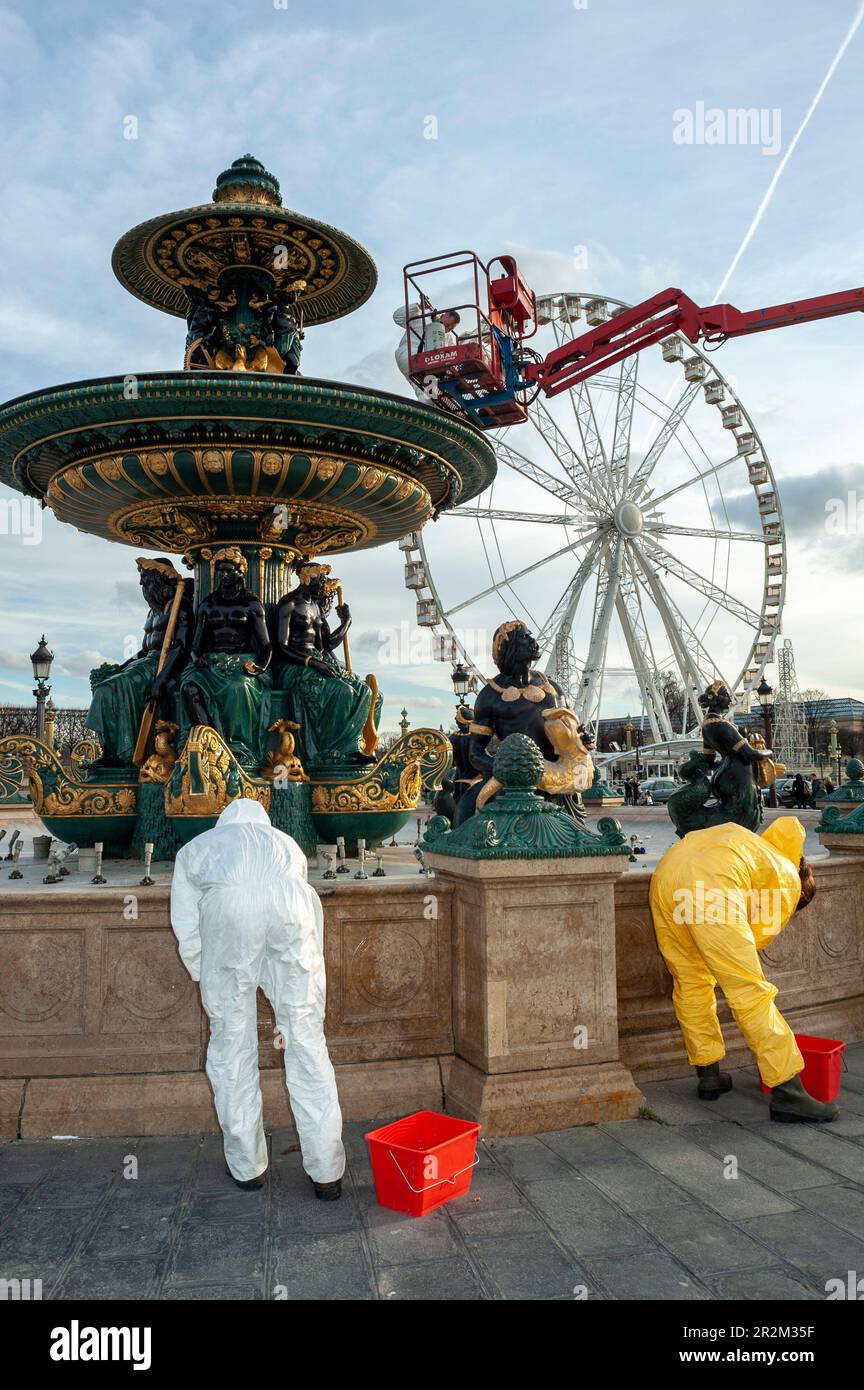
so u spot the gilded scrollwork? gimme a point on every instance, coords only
(420, 757)
(207, 777)
(86, 750)
(54, 793)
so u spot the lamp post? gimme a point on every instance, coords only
(50, 723)
(834, 749)
(765, 693)
(41, 661)
(461, 683)
(403, 722)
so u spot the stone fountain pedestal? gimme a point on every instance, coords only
(535, 1009)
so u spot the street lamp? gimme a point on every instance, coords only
(41, 661)
(461, 682)
(834, 749)
(765, 693)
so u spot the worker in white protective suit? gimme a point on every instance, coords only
(244, 915)
(425, 335)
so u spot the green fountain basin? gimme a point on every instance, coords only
(177, 461)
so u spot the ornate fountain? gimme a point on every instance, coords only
(255, 476)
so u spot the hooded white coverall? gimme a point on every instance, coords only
(436, 336)
(244, 915)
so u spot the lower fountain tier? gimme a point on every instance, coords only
(179, 461)
(169, 807)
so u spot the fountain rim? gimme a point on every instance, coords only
(138, 275)
(438, 434)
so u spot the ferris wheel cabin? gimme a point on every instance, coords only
(480, 373)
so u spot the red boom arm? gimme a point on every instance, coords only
(672, 312)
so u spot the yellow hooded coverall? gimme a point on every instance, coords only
(717, 897)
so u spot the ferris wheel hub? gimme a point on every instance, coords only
(628, 519)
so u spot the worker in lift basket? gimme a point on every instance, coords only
(437, 331)
(245, 916)
(717, 898)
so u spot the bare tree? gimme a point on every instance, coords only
(17, 719)
(816, 713)
(70, 727)
(674, 698)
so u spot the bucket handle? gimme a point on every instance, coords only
(440, 1181)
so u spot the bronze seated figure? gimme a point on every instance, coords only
(525, 701)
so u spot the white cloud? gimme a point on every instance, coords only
(335, 106)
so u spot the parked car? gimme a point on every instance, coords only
(785, 789)
(661, 788)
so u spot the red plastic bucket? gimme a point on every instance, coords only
(422, 1161)
(823, 1064)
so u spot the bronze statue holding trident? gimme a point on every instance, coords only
(125, 697)
(334, 708)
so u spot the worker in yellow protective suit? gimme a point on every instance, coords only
(717, 897)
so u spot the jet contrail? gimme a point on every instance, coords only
(760, 211)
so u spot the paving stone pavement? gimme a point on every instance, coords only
(644, 1209)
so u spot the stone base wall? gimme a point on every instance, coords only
(101, 1030)
(817, 964)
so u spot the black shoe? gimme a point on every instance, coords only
(327, 1191)
(713, 1082)
(791, 1105)
(252, 1184)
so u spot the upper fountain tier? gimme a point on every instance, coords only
(240, 448)
(244, 229)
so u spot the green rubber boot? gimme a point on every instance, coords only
(791, 1105)
(713, 1082)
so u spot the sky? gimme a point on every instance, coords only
(553, 132)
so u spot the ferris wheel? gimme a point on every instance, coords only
(635, 525)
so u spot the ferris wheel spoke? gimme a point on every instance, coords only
(709, 660)
(582, 405)
(520, 574)
(588, 700)
(582, 469)
(704, 660)
(560, 620)
(565, 491)
(583, 520)
(691, 676)
(667, 433)
(659, 528)
(620, 463)
(698, 477)
(638, 643)
(665, 560)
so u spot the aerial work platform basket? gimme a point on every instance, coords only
(474, 368)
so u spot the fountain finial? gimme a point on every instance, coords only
(247, 181)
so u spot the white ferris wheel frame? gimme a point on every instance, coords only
(627, 567)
